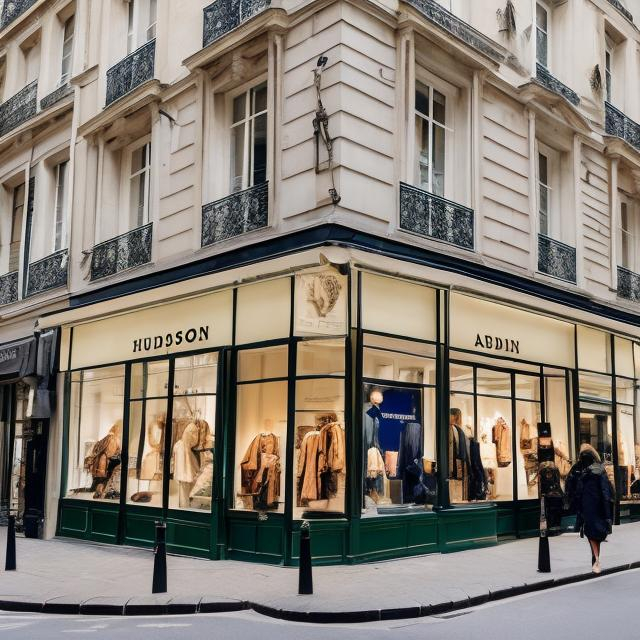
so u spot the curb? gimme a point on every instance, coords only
(162, 604)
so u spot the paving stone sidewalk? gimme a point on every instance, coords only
(66, 576)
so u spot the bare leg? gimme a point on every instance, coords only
(595, 550)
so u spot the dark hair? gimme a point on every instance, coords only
(587, 458)
(455, 412)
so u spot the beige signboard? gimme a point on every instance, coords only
(197, 323)
(491, 328)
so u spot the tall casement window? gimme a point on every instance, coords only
(67, 49)
(142, 21)
(17, 213)
(249, 138)
(628, 236)
(608, 66)
(61, 172)
(139, 180)
(544, 194)
(431, 133)
(542, 34)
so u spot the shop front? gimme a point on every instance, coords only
(397, 416)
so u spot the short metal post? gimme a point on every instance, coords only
(160, 560)
(10, 562)
(305, 579)
(544, 557)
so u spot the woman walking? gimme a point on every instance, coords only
(593, 501)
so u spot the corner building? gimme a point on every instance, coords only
(323, 261)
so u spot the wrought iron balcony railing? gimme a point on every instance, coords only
(131, 249)
(553, 84)
(11, 9)
(48, 273)
(131, 72)
(225, 15)
(55, 96)
(9, 288)
(618, 5)
(628, 284)
(617, 124)
(428, 215)
(236, 214)
(556, 258)
(18, 108)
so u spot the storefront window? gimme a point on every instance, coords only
(320, 444)
(18, 464)
(95, 433)
(558, 406)
(398, 426)
(261, 429)
(626, 472)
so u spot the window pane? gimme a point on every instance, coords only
(259, 149)
(261, 364)
(542, 169)
(438, 107)
(541, 47)
(493, 383)
(437, 186)
(627, 468)
(139, 159)
(259, 98)
(527, 418)
(95, 434)
(16, 228)
(422, 99)
(541, 17)
(624, 391)
(593, 386)
(461, 378)
(596, 429)
(527, 387)
(399, 449)
(237, 158)
(318, 357)
(261, 430)
(195, 374)
(422, 149)
(543, 213)
(149, 379)
(239, 106)
(61, 176)
(402, 367)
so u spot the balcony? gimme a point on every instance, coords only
(224, 16)
(18, 108)
(556, 259)
(619, 125)
(236, 214)
(131, 72)
(618, 5)
(431, 216)
(9, 288)
(48, 273)
(55, 96)
(553, 84)
(129, 250)
(12, 9)
(628, 285)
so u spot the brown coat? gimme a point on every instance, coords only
(502, 438)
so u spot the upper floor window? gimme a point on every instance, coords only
(142, 23)
(17, 211)
(61, 173)
(431, 135)
(67, 49)
(542, 34)
(139, 183)
(544, 195)
(249, 138)
(31, 58)
(628, 234)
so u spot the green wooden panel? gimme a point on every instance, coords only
(104, 525)
(328, 542)
(140, 527)
(249, 539)
(528, 519)
(467, 527)
(74, 521)
(188, 538)
(507, 524)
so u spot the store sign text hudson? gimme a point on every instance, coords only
(171, 339)
(498, 344)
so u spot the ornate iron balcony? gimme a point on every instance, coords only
(55, 96)
(618, 5)
(428, 215)
(12, 9)
(18, 108)
(9, 288)
(236, 214)
(225, 15)
(131, 249)
(48, 273)
(617, 124)
(553, 84)
(131, 72)
(628, 284)
(556, 259)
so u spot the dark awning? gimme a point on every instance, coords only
(17, 360)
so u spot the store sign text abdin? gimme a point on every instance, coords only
(171, 339)
(8, 354)
(498, 344)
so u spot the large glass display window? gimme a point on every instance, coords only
(95, 433)
(627, 468)
(261, 429)
(398, 422)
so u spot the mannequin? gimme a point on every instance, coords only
(151, 468)
(489, 459)
(374, 470)
(104, 457)
(185, 463)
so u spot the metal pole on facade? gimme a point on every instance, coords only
(10, 561)
(160, 560)
(544, 557)
(305, 579)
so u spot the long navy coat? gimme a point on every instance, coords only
(594, 500)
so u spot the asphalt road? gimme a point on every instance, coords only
(606, 607)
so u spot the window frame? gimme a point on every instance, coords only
(631, 232)
(142, 17)
(67, 57)
(60, 208)
(552, 156)
(127, 177)
(609, 50)
(547, 33)
(13, 229)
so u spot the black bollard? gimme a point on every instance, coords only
(160, 560)
(10, 562)
(544, 559)
(305, 579)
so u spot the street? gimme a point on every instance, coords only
(580, 611)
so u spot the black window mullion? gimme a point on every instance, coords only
(168, 436)
(124, 454)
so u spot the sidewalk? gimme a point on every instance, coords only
(63, 576)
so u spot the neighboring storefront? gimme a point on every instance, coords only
(398, 416)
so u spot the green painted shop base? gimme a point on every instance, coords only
(333, 541)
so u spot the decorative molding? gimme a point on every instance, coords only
(618, 124)
(556, 258)
(553, 84)
(9, 288)
(19, 108)
(625, 12)
(129, 250)
(628, 285)
(431, 216)
(131, 72)
(12, 9)
(48, 273)
(224, 16)
(236, 214)
(55, 96)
